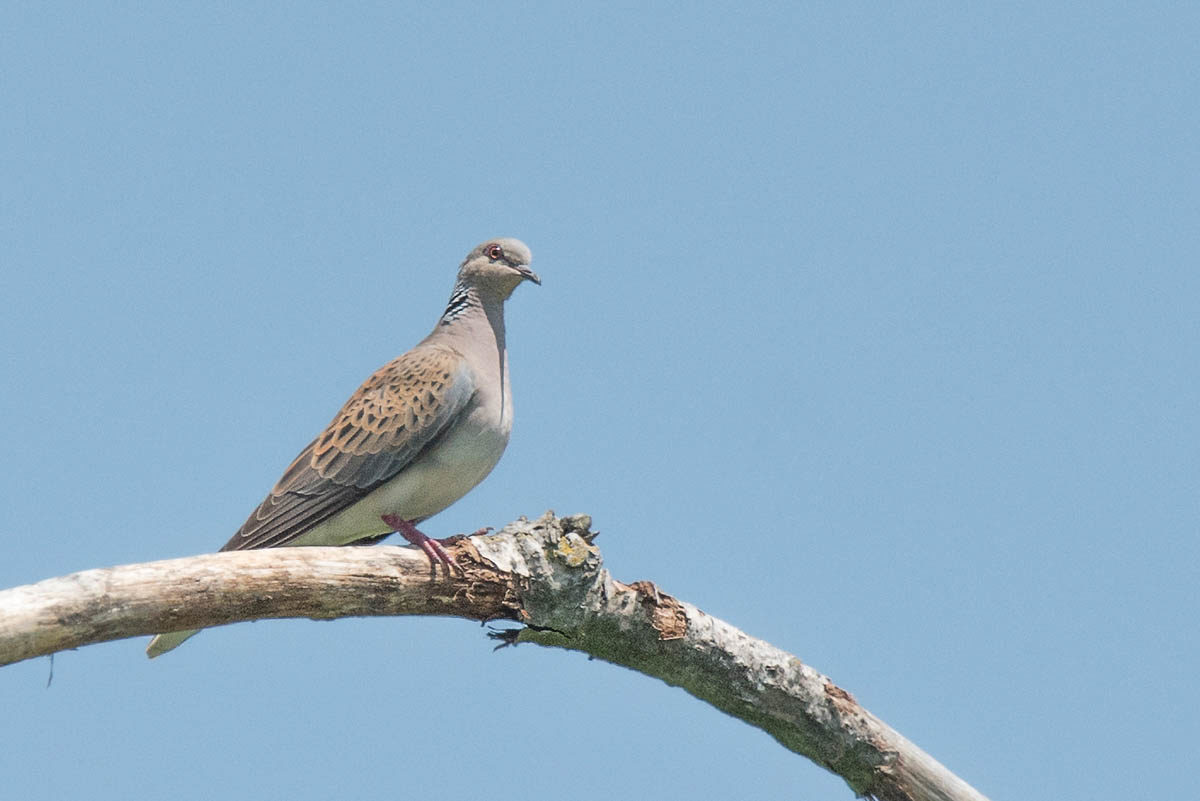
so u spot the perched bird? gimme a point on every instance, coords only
(417, 435)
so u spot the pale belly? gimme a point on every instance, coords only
(437, 479)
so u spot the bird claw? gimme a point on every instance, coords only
(438, 553)
(432, 548)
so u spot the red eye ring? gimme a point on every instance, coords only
(494, 252)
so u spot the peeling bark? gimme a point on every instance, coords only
(544, 573)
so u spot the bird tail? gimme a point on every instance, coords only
(167, 642)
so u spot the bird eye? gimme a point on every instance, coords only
(494, 252)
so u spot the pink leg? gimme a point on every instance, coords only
(432, 548)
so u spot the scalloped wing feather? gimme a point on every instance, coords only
(398, 412)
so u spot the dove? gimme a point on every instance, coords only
(419, 434)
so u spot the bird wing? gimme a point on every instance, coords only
(398, 412)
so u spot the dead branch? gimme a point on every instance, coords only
(545, 574)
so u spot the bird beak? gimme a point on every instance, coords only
(529, 275)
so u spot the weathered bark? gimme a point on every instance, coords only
(545, 574)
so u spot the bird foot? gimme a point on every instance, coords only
(432, 548)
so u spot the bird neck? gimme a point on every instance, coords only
(474, 322)
(463, 300)
(480, 313)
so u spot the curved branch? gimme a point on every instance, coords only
(544, 573)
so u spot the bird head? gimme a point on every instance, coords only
(498, 265)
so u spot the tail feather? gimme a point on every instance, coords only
(167, 642)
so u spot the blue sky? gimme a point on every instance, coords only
(872, 331)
